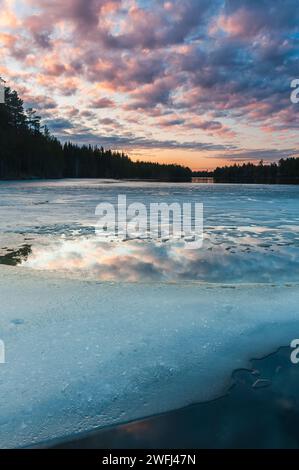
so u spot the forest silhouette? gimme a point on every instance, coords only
(28, 150)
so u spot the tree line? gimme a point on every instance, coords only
(286, 171)
(29, 150)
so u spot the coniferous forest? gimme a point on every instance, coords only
(286, 171)
(28, 150)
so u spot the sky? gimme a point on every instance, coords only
(197, 82)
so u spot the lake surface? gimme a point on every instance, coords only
(101, 333)
(251, 232)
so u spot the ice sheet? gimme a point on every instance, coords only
(251, 231)
(86, 354)
(82, 355)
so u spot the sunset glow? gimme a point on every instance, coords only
(194, 82)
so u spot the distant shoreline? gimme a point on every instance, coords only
(148, 180)
(261, 181)
(276, 181)
(193, 180)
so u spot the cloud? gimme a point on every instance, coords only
(221, 69)
(101, 103)
(39, 102)
(268, 155)
(131, 141)
(57, 125)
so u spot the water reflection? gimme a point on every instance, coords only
(249, 257)
(203, 180)
(251, 232)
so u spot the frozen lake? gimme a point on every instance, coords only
(99, 334)
(251, 231)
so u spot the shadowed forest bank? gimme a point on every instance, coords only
(286, 171)
(28, 150)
